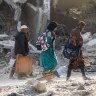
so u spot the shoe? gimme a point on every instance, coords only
(56, 73)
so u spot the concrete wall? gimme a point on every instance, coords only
(0, 1)
(63, 4)
(31, 13)
(68, 21)
(58, 12)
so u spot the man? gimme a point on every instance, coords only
(77, 40)
(21, 44)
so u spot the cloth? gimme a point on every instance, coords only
(48, 57)
(21, 44)
(81, 67)
(77, 40)
(42, 40)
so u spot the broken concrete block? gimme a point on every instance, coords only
(40, 87)
(14, 94)
(81, 87)
(29, 82)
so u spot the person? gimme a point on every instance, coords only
(77, 40)
(21, 45)
(48, 57)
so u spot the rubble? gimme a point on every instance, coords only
(81, 87)
(40, 87)
(87, 37)
(92, 43)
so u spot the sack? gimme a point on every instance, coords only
(23, 65)
(11, 62)
(70, 51)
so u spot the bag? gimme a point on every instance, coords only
(70, 51)
(23, 65)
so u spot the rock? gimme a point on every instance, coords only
(50, 93)
(29, 82)
(81, 87)
(82, 93)
(74, 84)
(14, 94)
(40, 87)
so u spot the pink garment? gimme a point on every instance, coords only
(42, 40)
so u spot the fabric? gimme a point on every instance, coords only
(21, 44)
(77, 40)
(42, 41)
(81, 67)
(23, 26)
(48, 57)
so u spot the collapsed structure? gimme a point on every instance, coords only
(28, 12)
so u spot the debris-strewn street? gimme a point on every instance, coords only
(55, 87)
(35, 33)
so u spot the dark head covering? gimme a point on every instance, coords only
(52, 26)
(81, 23)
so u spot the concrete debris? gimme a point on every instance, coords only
(81, 87)
(14, 94)
(40, 87)
(62, 70)
(3, 36)
(87, 37)
(16, 7)
(20, 1)
(92, 42)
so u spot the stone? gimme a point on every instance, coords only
(40, 87)
(14, 94)
(29, 82)
(81, 87)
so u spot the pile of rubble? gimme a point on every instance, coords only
(89, 49)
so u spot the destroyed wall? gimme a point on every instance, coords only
(29, 12)
(64, 4)
(36, 3)
(59, 12)
(7, 23)
(31, 18)
(89, 15)
(0, 1)
(35, 19)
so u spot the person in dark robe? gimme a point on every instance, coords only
(21, 45)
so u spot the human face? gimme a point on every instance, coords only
(25, 30)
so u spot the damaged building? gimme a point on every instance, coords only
(31, 13)
(60, 12)
(18, 12)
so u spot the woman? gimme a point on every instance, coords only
(48, 57)
(77, 40)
